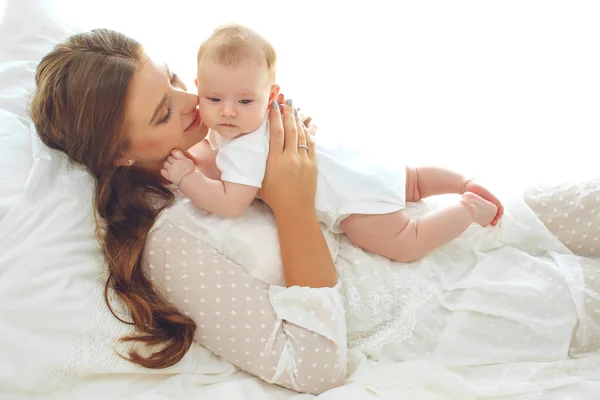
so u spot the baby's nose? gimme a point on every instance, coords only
(228, 110)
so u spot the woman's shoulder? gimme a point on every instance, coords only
(250, 240)
(256, 223)
(189, 218)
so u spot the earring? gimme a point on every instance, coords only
(130, 161)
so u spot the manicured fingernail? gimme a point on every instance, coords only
(295, 112)
(274, 105)
(289, 102)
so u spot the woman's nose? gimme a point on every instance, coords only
(190, 101)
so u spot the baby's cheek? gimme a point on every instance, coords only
(251, 124)
(259, 116)
(206, 115)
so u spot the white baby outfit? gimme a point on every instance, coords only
(347, 182)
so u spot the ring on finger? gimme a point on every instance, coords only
(303, 146)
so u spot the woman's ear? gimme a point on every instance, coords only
(274, 93)
(123, 162)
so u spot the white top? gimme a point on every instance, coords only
(348, 181)
(294, 337)
(242, 160)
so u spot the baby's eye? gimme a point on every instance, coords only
(245, 101)
(214, 99)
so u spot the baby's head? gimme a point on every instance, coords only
(236, 80)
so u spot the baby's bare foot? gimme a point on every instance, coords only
(470, 185)
(483, 211)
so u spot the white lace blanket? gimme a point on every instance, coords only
(513, 292)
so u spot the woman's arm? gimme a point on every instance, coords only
(569, 211)
(293, 337)
(304, 252)
(289, 189)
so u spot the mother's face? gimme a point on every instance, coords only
(160, 116)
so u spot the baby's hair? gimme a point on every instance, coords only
(232, 44)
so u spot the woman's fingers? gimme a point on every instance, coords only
(275, 129)
(302, 133)
(290, 130)
(310, 143)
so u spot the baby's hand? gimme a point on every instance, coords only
(176, 167)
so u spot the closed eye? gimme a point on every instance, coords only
(168, 116)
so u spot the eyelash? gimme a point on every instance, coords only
(216, 100)
(169, 108)
(168, 116)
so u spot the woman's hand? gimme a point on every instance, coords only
(290, 180)
(289, 189)
(306, 119)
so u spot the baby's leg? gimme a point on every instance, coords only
(400, 238)
(423, 182)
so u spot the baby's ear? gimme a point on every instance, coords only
(196, 82)
(274, 93)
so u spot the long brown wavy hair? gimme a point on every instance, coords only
(79, 108)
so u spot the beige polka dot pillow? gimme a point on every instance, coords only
(571, 211)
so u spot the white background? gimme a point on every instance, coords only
(508, 91)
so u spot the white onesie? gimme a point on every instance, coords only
(347, 182)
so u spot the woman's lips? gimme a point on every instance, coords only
(195, 122)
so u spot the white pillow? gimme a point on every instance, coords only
(57, 337)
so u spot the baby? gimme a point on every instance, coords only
(363, 199)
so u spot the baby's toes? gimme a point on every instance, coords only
(500, 211)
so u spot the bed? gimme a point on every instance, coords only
(58, 339)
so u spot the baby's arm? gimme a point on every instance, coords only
(222, 198)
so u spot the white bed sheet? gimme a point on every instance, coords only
(54, 301)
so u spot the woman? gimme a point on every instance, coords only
(480, 300)
(108, 106)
